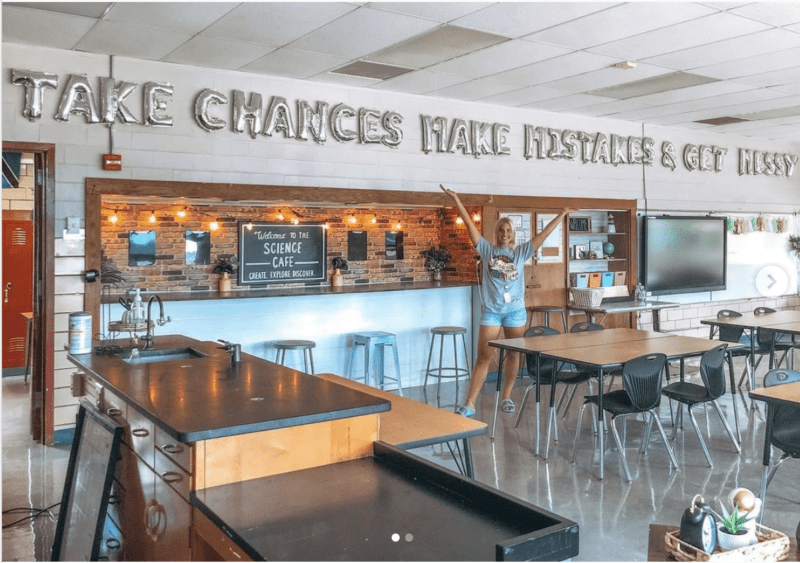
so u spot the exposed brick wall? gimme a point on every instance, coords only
(420, 227)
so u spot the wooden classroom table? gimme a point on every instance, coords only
(411, 424)
(613, 308)
(538, 344)
(657, 547)
(780, 321)
(787, 394)
(615, 355)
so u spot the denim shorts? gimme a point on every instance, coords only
(512, 319)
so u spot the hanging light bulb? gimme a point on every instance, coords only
(214, 225)
(398, 226)
(249, 225)
(352, 219)
(326, 226)
(152, 217)
(459, 221)
(476, 217)
(295, 221)
(181, 213)
(373, 219)
(113, 218)
(280, 215)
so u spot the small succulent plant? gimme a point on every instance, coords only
(733, 523)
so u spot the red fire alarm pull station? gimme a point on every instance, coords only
(112, 162)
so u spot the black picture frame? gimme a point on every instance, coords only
(580, 224)
(90, 474)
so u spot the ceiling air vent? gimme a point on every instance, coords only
(366, 69)
(721, 120)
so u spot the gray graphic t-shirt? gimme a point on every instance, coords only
(502, 273)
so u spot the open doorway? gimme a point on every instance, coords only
(29, 216)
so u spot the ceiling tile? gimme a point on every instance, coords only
(115, 38)
(608, 109)
(472, 90)
(187, 17)
(438, 11)
(554, 69)
(217, 53)
(88, 9)
(645, 113)
(606, 77)
(498, 58)
(376, 30)
(773, 78)
(700, 31)
(45, 29)
(774, 13)
(255, 22)
(568, 102)
(730, 50)
(615, 23)
(344, 80)
(420, 81)
(734, 98)
(691, 93)
(524, 96)
(753, 65)
(435, 46)
(294, 64)
(515, 19)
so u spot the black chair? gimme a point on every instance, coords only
(712, 370)
(548, 374)
(640, 393)
(582, 327)
(735, 335)
(773, 341)
(785, 430)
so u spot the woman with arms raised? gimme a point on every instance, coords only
(503, 312)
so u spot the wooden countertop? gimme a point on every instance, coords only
(411, 424)
(204, 398)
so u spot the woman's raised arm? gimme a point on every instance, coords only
(474, 233)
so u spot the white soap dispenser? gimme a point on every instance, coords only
(137, 308)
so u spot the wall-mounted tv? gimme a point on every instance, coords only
(684, 254)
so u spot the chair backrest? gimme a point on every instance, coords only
(712, 370)
(728, 333)
(641, 379)
(546, 367)
(784, 417)
(585, 327)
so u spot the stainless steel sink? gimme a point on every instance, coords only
(164, 355)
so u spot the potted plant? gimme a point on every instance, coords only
(794, 245)
(339, 264)
(224, 266)
(732, 534)
(436, 259)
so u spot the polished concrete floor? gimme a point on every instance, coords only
(613, 515)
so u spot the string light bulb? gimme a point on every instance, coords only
(249, 225)
(398, 226)
(476, 217)
(295, 221)
(181, 213)
(459, 221)
(113, 218)
(214, 225)
(152, 217)
(280, 215)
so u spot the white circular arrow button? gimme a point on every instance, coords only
(772, 281)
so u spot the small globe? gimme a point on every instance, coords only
(608, 248)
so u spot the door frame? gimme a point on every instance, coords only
(43, 361)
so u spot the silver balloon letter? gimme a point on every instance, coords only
(481, 143)
(153, 103)
(205, 99)
(112, 98)
(430, 127)
(337, 127)
(78, 97)
(459, 138)
(568, 138)
(368, 120)
(279, 118)
(243, 112)
(34, 83)
(668, 155)
(314, 121)
(500, 134)
(391, 122)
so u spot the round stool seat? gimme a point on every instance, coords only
(295, 344)
(547, 310)
(448, 330)
(304, 345)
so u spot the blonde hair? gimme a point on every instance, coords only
(507, 221)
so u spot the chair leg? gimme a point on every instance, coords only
(727, 426)
(522, 405)
(646, 437)
(428, 368)
(664, 439)
(699, 436)
(621, 451)
(578, 432)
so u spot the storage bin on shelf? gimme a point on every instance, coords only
(589, 297)
(772, 546)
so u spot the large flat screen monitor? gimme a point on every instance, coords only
(684, 254)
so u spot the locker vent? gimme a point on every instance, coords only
(19, 237)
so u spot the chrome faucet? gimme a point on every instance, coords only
(235, 350)
(162, 320)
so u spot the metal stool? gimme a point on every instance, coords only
(441, 332)
(547, 309)
(379, 340)
(305, 345)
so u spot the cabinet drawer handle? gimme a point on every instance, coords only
(172, 449)
(140, 432)
(172, 477)
(114, 411)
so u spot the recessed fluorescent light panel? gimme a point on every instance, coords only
(721, 121)
(366, 69)
(654, 85)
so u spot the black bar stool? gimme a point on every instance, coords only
(547, 309)
(454, 370)
(304, 345)
(379, 340)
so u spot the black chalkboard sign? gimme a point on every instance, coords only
(281, 253)
(92, 461)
